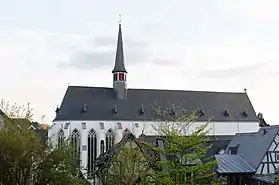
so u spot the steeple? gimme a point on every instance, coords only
(119, 71)
(119, 58)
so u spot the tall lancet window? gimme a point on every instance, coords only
(75, 142)
(92, 152)
(60, 138)
(109, 139)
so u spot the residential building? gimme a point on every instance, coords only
(251, 158)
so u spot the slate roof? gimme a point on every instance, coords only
(119, 58)
(253, 146)
(229, 164)
(101, 102)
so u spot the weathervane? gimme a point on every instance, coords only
(120, 17)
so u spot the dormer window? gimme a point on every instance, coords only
(141, 110)
(84, 109)
(233, 151)
(226, 113)
(114, 110)
(245, 113)
(200, 112)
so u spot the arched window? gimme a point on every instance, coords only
(109, 139)
(75, 142)
(60, 138)
(92, 152)
(102, 147)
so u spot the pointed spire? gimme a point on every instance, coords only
(119, 59)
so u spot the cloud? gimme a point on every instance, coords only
(235, 72)
(101, 53)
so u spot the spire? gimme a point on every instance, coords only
(119, 59)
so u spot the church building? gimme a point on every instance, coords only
(95, 118)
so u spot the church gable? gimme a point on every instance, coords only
(126, 163)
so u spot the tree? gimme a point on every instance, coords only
(25, 160)
(276, 180)
(177, 159)
(125, 164)
(182, 149)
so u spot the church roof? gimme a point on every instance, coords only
(99, 103)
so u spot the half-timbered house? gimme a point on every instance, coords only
(251, 158)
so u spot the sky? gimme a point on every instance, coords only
(217, 45)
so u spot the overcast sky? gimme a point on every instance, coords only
(219, 45)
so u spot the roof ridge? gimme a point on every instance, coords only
(157, 89)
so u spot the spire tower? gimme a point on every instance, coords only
(119, 71)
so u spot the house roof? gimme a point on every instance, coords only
(233, 164)
(253, 146)
(101, 104)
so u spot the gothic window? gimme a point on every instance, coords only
(102, 147)
(92, 152)
(109, 139)
(75, 142)
(60, 138)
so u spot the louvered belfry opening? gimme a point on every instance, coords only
(91, 152)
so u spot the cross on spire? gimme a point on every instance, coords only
(120, 17)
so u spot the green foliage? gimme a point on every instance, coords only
(185, 148)
(19, 155)
(276, 180)
(24, 158)
(58, 167)
(129, 166)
